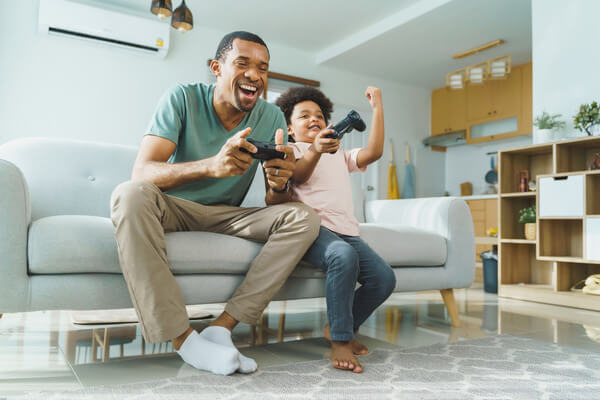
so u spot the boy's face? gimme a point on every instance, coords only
(306, 121)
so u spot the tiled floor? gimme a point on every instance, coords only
(45, 351)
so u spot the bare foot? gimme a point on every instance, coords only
(357, 348)
(343, 358)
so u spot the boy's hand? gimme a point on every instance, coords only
(279, 171)
(322, 144)
(373, 94)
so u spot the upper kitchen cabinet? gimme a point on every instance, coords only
(495, 110)
(448, 111)
(495, 99)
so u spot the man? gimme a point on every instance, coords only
(190, 175)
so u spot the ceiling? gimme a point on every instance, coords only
(408, 41)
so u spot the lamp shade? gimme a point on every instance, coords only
(182, 18)
(161, 8)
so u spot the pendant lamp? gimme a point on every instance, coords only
(161, 8)
(182, 19)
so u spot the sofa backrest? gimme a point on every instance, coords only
(68, 177)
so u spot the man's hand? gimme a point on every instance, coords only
(322, 144)
(230, 161)
(373, 94)
(279, 171)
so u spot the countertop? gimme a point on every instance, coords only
(479, 196)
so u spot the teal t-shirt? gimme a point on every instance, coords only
(185, 115)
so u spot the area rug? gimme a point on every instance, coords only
(497, 367)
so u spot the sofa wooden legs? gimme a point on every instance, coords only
(448, 296)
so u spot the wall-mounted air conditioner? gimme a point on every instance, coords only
(92, 22)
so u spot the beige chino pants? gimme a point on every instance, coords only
(142, 214)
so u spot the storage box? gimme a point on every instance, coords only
(561, 196)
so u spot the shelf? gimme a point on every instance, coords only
(582, 172)
(560, 218)
(509, 217)
(575, 260)
(576, 155)
(561, 238)
(592, 197)
(537, 160)
(517, 241)
(545, 269)
(546, 294)
(519, 264)
(518, 194)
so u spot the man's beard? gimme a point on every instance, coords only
(240, 106)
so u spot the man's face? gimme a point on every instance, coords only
(242, 76)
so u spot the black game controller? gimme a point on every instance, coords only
(352, 121)
(265, 150)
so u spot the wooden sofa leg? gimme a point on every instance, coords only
(448, 296)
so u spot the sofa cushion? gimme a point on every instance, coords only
(69, 244)
(403, 246)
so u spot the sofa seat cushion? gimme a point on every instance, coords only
(404, 246)
(69, 244)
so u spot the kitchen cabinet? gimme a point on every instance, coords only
(495, 99)
(448, 111)
(526, 120)
(497, 109)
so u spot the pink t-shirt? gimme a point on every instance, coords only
(328, 190)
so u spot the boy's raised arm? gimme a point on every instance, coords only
(374, 149)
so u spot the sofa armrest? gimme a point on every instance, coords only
(15, 216)
(447, 216)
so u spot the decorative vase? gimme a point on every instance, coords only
(530, 231)
(543, 136)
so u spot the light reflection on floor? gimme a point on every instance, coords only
(45, 351)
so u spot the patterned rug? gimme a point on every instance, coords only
(497, 367)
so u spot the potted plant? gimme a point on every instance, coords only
(545, 124)
(527, 217)
(587, 118)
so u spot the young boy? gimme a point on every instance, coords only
(322, 181)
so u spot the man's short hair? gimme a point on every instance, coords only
(226, 43)
(298, 94)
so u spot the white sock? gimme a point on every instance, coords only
(222, 336)
(209, 356)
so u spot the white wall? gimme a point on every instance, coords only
(565, 57)
(56, 87)
(470, 163)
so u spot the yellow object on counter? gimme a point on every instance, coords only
(493, 232)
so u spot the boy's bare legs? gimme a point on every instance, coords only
(357, 347)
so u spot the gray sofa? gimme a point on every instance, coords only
(57, 246)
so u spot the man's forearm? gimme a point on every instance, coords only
(169, 176)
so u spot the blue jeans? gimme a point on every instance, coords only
(347, 260)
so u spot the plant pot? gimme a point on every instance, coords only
(543, 136)
(530, 231)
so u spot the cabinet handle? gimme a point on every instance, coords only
(494, 111)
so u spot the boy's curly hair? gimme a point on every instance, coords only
(298, 94)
